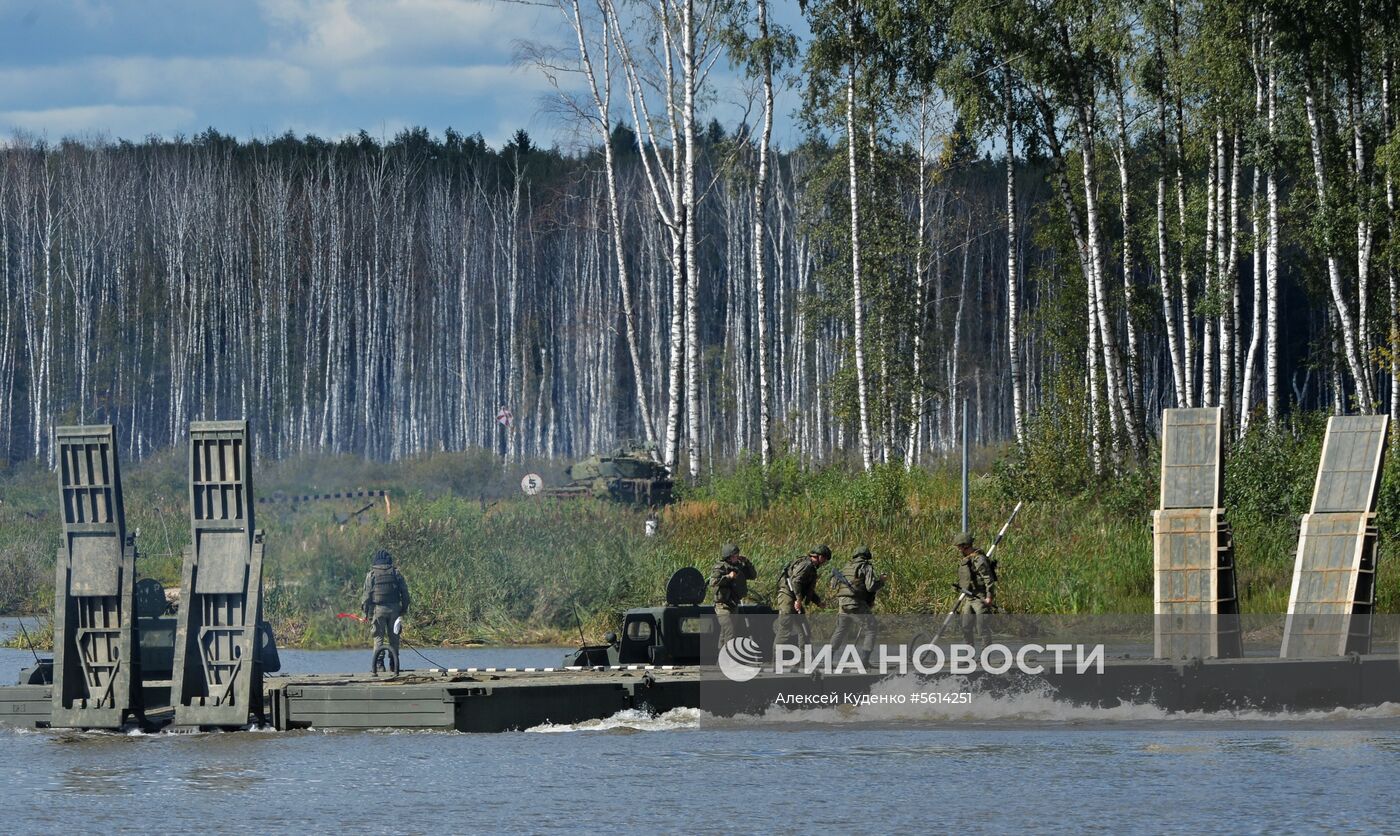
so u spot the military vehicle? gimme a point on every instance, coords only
(680, 633)
(120, 653)
(121, 658)
(629, 474)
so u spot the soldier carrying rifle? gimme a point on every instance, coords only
(856, 589)
(977, 583)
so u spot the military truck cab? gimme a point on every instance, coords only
(684, 632)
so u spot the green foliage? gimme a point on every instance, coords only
(1269, 473)
(522, 570)
(1056, 460)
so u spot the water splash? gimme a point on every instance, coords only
(631, 720)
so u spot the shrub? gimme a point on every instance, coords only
(1269, 473)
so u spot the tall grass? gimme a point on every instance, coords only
(516, 569)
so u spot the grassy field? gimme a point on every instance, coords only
(486, 565)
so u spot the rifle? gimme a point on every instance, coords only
(840, 577)
(963, 593)
(1002, 533)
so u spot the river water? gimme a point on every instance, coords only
(1020, 764)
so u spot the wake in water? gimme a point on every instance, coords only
(631, 720)
(938, 707)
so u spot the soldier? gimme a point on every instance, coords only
(977, 579)
(856, 588)
(797, 590)
(385, 600)
(730, 580)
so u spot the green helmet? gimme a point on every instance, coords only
(822, 550)
(728, 550)
(863, 551)
(964, 539)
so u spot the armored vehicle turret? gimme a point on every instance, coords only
(630, 474)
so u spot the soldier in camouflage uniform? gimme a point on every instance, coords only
(730, 580)
(384, 601)
(977, 578)
(856, 588)
(797, 590)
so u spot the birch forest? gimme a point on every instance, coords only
(1059, 216)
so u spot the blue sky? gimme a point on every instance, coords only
(131, 68)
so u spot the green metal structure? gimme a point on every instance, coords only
(217, 678)
(96, 677)
(629, 474)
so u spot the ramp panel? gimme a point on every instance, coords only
(1192, 475)
(1349, 474)
(1334, 570)
(1194, 596)
(216, 677)
(96, 681)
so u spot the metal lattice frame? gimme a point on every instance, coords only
(96, 671)
(216, 679)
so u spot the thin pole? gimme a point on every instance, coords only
(965, 525)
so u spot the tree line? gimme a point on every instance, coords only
(1069, 213)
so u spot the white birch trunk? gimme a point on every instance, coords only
(857, 297)
(1350, 342)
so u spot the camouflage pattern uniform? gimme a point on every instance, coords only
(977, 577)
(730, 592)
(385, 599)
(797, 586)
(856, 597)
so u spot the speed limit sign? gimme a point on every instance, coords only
(531, 484)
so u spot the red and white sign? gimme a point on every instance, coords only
(504, 417)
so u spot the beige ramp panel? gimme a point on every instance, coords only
(1194, 595)
(1334, 570)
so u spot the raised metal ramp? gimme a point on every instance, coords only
(1334, 571)
(216, 677)
(96, 684)
(1193, 560)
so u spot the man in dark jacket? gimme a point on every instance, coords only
(385, 601)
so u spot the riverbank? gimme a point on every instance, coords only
(488, 566)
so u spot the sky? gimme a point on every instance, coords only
(259, 68)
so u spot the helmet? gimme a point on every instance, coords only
(728, 550)
(863, 551)
(964, 539)
(821, 550)
(382, 558)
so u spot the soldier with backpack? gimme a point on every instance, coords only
(797, 591)
(977, 580)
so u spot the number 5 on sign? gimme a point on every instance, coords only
(531, 484)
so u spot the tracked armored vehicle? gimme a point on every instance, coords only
(630, 474)
(121, 659)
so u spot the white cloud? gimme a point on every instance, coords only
(333, 66)
(118, 120)
(488, 80)
(341, 32)
(143, 80)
